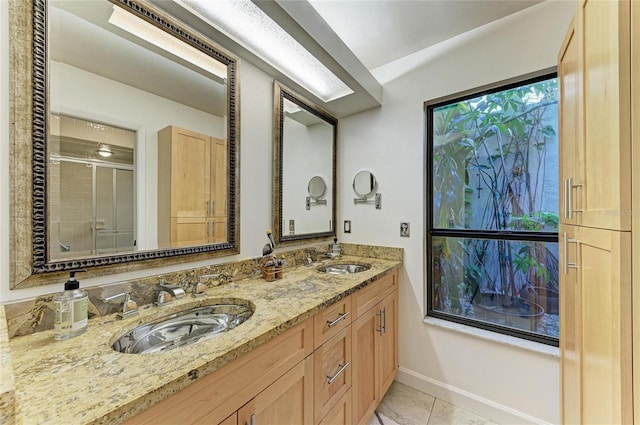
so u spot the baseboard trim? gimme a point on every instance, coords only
(466, 400)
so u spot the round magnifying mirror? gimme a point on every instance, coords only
(365, 184)
(317, 188)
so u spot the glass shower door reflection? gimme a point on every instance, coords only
(113, 220)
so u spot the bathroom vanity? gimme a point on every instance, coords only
(322, 345)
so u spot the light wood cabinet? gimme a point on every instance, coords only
(594, 73)
(234, 384)
(340, 414)
(374, 346)
(289, 400)
(598, 192)
(192, 188)
(596, 326)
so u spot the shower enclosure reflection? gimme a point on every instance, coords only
(91, 196)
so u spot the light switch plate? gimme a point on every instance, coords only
(347, 226)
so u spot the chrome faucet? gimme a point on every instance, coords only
(168, 292)
(129, 306)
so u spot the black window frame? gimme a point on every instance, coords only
(509, 235)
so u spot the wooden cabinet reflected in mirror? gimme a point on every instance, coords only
(304, 150)
(94, 69)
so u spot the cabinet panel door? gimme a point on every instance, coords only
(571, 122)
(605, 197)
(332, 372)
(635, 129)
(288, 401)
(604, 272)
(388, 366)
(341, 412)
(570, 328)
(365, 375)
(190, 173)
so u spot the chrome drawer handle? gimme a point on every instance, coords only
(331, 379)
(335, 322)
(566, 241)
(252, 420)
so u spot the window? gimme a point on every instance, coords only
(492, 209)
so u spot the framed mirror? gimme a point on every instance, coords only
(126, 144)
(304, 149)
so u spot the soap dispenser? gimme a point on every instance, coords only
(71, 307)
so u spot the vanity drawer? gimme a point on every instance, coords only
(369, 296)
(330, 321)
(332, 366)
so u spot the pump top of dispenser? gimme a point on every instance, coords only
(72, 283)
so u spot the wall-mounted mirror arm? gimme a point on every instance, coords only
(377, 200)
(311, 203)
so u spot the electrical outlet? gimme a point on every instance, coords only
(347, 226)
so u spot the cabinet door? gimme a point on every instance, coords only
(635, 123)
(570, 328)
(365, 375)
(332, 372)
(288, 401)
(571, 121)
(605, 194)
(190, 173)
(231, 420)
(341, 412)
(388, 366)
(603, 265)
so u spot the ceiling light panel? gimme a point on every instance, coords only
(248, 25)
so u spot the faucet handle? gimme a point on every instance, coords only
(129, 306)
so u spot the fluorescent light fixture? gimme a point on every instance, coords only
(248, 25)
(154, 35)
(104, 151)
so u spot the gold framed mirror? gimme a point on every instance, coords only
(118, 107)
(304, 149)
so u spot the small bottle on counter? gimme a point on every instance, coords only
(71, 309)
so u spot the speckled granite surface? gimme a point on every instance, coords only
(82, 380)
(7, 386)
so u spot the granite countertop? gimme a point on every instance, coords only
(82, 380)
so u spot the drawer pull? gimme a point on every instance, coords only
(252, 420)
(335, 322)
(331, 379)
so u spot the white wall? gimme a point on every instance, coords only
(482, 375)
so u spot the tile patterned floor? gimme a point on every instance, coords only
(403, 405)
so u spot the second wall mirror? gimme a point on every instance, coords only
(304, 149)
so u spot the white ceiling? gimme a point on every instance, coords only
(382, 31)
(353, 38)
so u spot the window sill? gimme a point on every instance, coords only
(510, 341)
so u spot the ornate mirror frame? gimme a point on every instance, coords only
(29, 263)
(281, 92)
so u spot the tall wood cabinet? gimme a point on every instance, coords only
(596, 231)
(192, 188)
